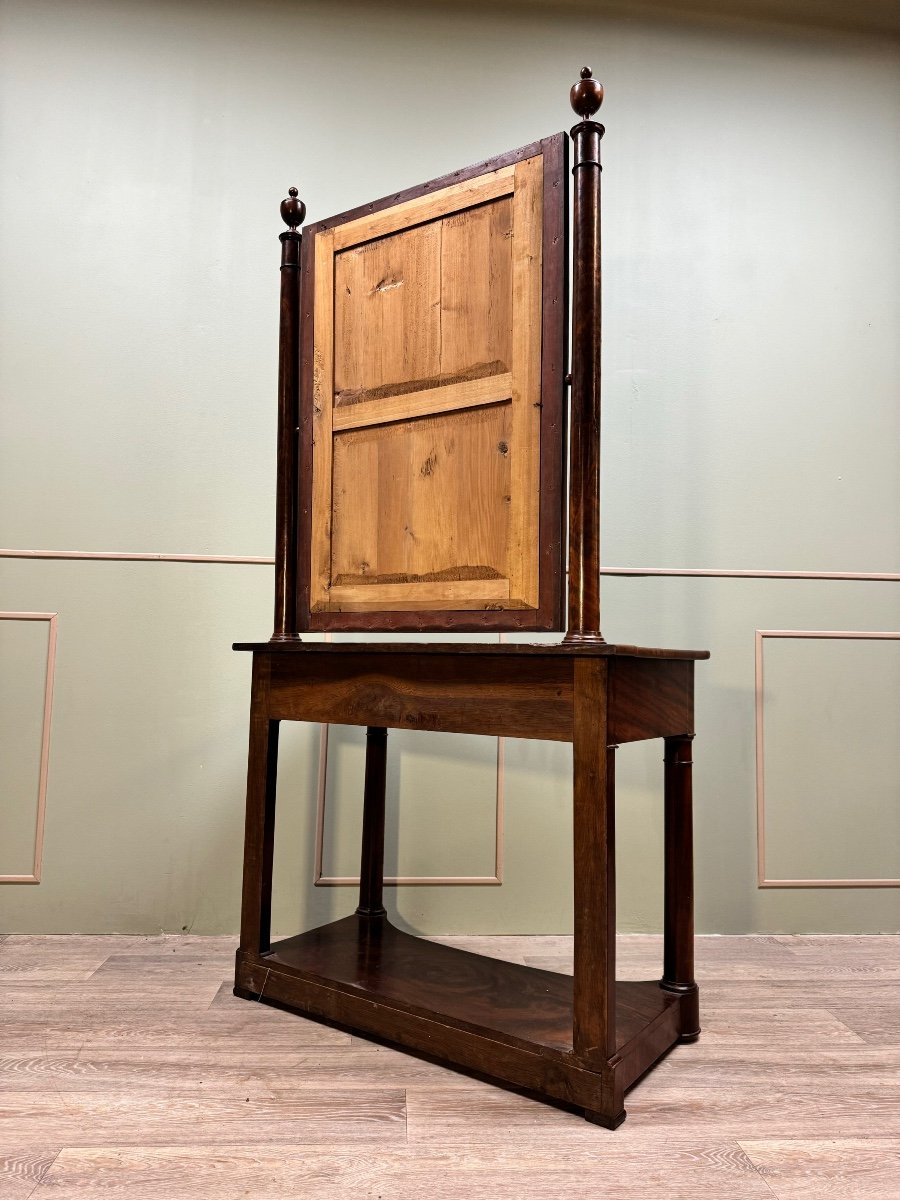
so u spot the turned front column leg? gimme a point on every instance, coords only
(371, 870)
(678, 947)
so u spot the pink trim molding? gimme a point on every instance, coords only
(51, 619)
(322, 880)
(637, 572)
(138, 556)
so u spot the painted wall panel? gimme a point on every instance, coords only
(437, 822)
(832, 758)
(23, 673)
(750, 420)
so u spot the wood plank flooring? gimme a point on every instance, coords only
(127, 1069)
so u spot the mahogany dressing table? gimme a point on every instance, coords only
(421, 470)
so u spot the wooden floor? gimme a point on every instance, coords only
(127, 1069)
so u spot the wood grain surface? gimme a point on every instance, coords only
(127, 1069)
(421, 311)
(432, 417)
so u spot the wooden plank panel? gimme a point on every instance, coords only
(387, 314)
(322, 404)
(422, 503)
(437, 309)
(426, 208)
(407, 406)
(476, 289)
(470, 593)
(524, 511)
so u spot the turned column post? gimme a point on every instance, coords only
(371, 869)
(286, 486)
(584, 491)
(678, 942)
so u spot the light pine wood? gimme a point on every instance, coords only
(150, 1079)
(427, 208)
(387, 314)
(449, 479)
(526, 368)
(492, 389)
(426, 454)
(323, 403)
(478, 254)
(473, 593)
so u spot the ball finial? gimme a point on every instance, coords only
(292, 210)
(587, 95)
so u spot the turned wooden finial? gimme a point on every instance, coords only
(587, 95)
(292, 210)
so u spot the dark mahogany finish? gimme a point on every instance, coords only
(582, 1040)
(293, 211)
(584, 493)
(371, 867)
(678, 947)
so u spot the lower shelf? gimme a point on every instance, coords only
(506, 1021)
(517, 1003)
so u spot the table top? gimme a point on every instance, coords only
(485, 649)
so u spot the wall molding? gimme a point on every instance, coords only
(762, 879)
(52, 620)
(137, 556)
(322, 880)
(636, 572)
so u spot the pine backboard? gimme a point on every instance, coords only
(433, 404)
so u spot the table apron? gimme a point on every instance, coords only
(498, 696)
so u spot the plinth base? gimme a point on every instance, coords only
(504, 1021)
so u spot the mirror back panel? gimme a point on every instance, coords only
(433, 380)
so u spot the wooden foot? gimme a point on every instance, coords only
(688, 1009)
(608, 1122)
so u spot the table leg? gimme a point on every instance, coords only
(371, 870)
(594, 821)
(678, 946)
(259, 837)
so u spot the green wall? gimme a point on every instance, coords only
(750, 423)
